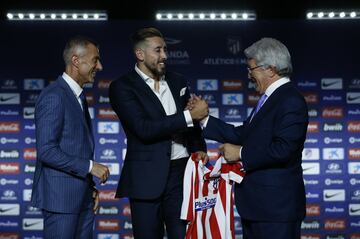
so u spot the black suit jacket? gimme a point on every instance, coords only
(149, 133)
(273, 188)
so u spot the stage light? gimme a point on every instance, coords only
(206, 16)
(332, 15)
(57, 16)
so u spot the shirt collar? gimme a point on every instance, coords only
(145, 77)
(73, 84)
(276, 85)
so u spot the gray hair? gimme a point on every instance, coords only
(76, 46)
(271, 52)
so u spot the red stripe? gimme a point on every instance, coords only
(215, 230)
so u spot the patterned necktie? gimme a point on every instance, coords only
(86, 110)
(260, 103)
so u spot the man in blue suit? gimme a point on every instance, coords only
(150, 104)
(269, 144)
(63, 186)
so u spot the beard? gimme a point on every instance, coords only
(156, 70)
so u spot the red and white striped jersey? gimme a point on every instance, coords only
(208, 200)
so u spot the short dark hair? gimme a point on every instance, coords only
(140, 35)
(73, 44)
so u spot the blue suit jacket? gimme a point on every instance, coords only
(64, 147)
(149, 133)
(273, 188)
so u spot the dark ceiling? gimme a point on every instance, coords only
(140, 9)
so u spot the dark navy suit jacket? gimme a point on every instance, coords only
(64, 147)
(273, 188)
(149, 133)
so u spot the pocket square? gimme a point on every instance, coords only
(182, 91)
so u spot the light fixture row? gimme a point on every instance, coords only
(320, 15)
(206, 16)
(57, 16)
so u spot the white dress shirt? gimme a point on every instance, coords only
(167, 101)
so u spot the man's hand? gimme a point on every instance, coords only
(96, 199)
(199, 108)
(230, 152)
(201, 155)
(100, 171)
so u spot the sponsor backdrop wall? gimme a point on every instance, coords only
(326, 71)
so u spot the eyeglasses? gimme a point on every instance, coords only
(253, 68)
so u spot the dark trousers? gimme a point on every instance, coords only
(149, 216)
(273, 230)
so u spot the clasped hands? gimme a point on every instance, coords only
(199, 110)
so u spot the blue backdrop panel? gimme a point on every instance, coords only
(210, 55)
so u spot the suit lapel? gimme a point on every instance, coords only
(269, 104)
(141, 87)
(174, 91)
(75, 106)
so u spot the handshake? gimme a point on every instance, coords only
(198, 108)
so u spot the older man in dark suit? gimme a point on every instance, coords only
(269, 144)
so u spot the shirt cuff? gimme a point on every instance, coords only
(240, 157)
(91, 165)
(188, 118)
(204, 122)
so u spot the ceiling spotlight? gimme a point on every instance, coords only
(42, 16)
(205, 16)
(63, 16)
(333, 15)
(21, 16)
(31, 15)
(85, 16)
(74, 16)
(53, 16)
(10, 16)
